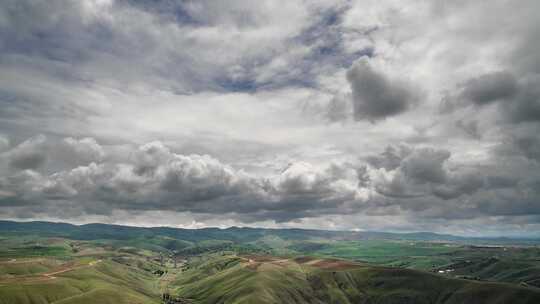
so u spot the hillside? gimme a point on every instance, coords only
(264, 279)
(517, 262)
(78, 282)
(44, 263)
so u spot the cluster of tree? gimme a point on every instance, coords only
(168, 299)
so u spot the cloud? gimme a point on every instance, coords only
(224, 45)
(528, 146)
(319, 188)
(526, 106)
(374, 95)
(234, 112)
(470, 128)
(421, 182)
(463, 182)
(4, 143)
(29, 154)
(428, 183)
(84, 150)
(49, 154)
(426, 165)
(483, 90)
(517, 101)
(521, 141)
(490, 87)
(152, 177)
(424, 172)
(391, 158)
(339, 109)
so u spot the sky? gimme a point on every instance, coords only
(326, 114)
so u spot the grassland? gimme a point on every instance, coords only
(114, 264)
(75, 279)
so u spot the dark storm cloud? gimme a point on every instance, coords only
(460, 183)
(522, 141)
(399, 187)
(428, 184)
(483, 90)
(490, 87)
(525, 107)
(517, 101)
(375, 96)
(423, 172)
(426, 165)
(416, 174)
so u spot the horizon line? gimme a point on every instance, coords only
(537, 237)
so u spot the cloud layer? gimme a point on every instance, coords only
(320, 114)
(415, 182)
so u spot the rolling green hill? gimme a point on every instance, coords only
(92, 282)
(263, 279)
(44, 263)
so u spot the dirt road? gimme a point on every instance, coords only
(47, 275)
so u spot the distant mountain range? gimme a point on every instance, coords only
(236, 234)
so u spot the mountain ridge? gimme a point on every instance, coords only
(118, 230)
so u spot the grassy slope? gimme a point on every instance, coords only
(235, 280)
(393, 285)
(218, 278)
(106, 282)
(26, 266)
(230, 279)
